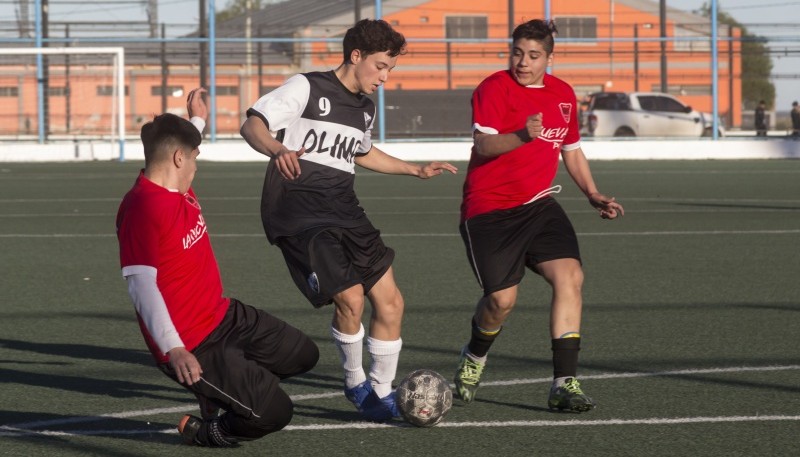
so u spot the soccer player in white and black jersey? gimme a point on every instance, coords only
(315, 128)
(524, 120)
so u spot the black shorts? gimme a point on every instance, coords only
(243, 360)
(328, 260)
(500, 244)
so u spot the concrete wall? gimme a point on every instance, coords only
(239, 151)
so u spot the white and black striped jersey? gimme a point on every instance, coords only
(316, 111)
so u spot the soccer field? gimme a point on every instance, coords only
(691, 317)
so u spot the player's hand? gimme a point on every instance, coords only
(185, 364)
(288, 163)
(196, 104)
(435, 169)
(534, 126)
(608, 206)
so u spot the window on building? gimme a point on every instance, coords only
(9, 91)
(227, 90)
(576, 27)
(159, 90)
(56, 91)
(466, 27)
(108, 91)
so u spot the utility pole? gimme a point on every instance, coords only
(46, 67)
(152, 17)
(164, 70)
(510, 23)
(203, 34)
(23, 19)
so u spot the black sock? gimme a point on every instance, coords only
(565, 357)
(480, 342)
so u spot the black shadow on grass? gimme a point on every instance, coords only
(63, 423)
(90, 386)
(82, 351)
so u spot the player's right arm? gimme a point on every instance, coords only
(256, 133)
(276, 111)
(151, 307)
(490, 110)
(489, 143)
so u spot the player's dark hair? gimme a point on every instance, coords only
(538, 30)
(165, 133)
(371, 36)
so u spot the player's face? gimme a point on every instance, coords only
(372, 71)
(529, 62)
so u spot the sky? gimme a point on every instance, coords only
(768, 18)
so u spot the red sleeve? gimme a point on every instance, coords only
(573, 133)
(488, 105)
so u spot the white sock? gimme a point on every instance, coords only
(350, 349)
(473, 357)
(385, 355)
(558, 382)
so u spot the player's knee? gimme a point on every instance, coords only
(349, 305)
(308, 356)
(278, 414)
(568, 279)
(500, 304)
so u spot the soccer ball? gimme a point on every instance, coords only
(424, 397)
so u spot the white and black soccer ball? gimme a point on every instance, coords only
(424, 397)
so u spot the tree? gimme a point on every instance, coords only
(756, 63)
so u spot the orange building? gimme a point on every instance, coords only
(453, 45)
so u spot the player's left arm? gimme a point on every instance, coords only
(377, 160)
(578, 168)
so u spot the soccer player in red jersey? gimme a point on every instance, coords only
(230, 355)
(524, 119)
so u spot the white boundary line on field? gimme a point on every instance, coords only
(496, 424)
(27, 428)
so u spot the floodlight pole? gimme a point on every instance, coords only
(714, 70)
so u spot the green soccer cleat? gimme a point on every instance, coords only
(570, 397)
(468, 377)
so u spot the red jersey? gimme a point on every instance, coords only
(165, 230)
(501, 105)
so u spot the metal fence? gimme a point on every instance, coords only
(427, 96)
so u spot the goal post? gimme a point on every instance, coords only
(94, 79)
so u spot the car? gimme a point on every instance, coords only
(646, 114)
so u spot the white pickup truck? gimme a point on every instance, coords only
(631, 114)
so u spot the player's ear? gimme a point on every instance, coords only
(355, 56)
(178, 157)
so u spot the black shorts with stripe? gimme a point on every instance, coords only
(324, 261)
(500, 244)
(243, 361)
